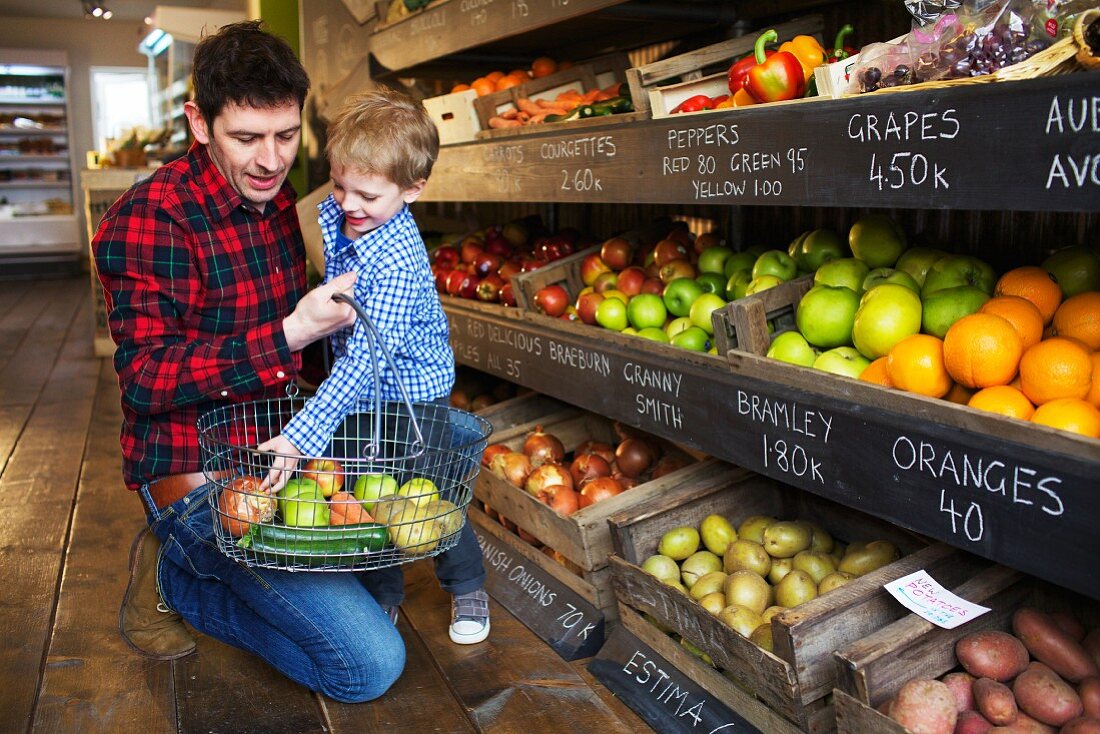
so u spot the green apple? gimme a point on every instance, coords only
(826, 314)
(295, 487)
(877, 240)
(954, 270)
(702, 308)
(847, 271)
(693, 339)
(796, 245)
(712, 282)
(878, 276)
(421, 491)
(886, 315)
(654, 333)
(775, 262)
(792, 347)
(370, 488)
(948, 305)
(680, 294)
(305, 509)
(845, 361)
(713, 259)
(762, 283)
(677, 325)
(918, 260)
(819, 247)
(738, 284)
(738, 261)
(645, 310)
(1077, 269)
(611, 314)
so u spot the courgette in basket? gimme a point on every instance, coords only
(315, 546)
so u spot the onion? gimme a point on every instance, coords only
(241, 504)
(561, 500)
(527, 537)
(670, 463)
(604, 450)
(547, 475)
(543, 448)
(587, 467)
(634, 456)
(625, 482)
(599, 489)
(492, 450)
(512, 467)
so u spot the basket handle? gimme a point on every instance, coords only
(373, 448)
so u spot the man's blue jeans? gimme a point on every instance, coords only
(322, 630)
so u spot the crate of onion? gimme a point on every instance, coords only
(557, 480)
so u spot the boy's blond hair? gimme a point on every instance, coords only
(383, 132)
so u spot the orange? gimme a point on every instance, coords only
(915, 364)
(1079, 317)
(1021, 313)
(876, 373)
(1069, 414)
(543, 66)
(982, 350)
(460, 88)
(507, 82)
(1034, 284)
(1056, 368)
(1094, 391)
(959, 394)
(1004, 400)
(495, 76)
(483, 86)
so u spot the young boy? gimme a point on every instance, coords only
(381, 149)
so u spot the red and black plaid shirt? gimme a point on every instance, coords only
(197, 284)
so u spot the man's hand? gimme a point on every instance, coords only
(282, 465)
(317, 315)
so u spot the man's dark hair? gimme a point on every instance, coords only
(244, 64)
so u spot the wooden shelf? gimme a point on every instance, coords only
(30, 102)
(64, 158)
(35, 184)
(938, 149)
(1034, 488)
(25, 132)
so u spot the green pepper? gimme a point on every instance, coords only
(839, 51)
(775, 78)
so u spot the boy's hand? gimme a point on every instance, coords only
(282, 465)
(317, 315)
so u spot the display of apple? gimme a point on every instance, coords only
(294, 487)
(487, 262)
(878, 276)
(847, 271)
(445, 256)
(677, 325)
(654, 333)
(631, 280)
(369, 488)
(591, 267)
(611, 314)
(421, 491)
(617, 253)
(488, 288)
(777, 263)
(737, 284)
(692, 338)
(301, 504)
(605, 282)
(674, 269)
(668, 250)
(826, 314)
(792, 347)
(680, 294)
(762, 283)
(328, 473)
(946, 306)
(737, 262)
(653, 285)
(646, 310)
(702, 308)
(917, 261)
(552, 300)
(815, 248)
(886, 315)
(846, 361)
(713, 260)
(877, 240)
(616, 293)
(587, 303)
(1077, 269)
(712, 283)
(956, 270)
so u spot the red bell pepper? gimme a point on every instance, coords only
(739, 71)
(839, 51)
(775, 78)
(692, 104)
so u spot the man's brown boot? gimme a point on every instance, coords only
(146, 623)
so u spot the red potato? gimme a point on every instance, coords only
(1044, 696)
(1089, 691)
(1024, 724)
(992, 654)
(1069, 624)
(1081, 725)
(962, 685)
(995, 701)
(1046, 642)
(925, 707)
(972, 722)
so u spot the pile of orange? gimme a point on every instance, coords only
(498, 81)
(1026, 354)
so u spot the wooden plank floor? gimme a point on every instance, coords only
(66, 524)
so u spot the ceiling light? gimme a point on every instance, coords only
(107, 14)
(95, 10)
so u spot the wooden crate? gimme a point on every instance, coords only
(597, 73)
(796, 679)
(648, 83)
(750, 323)
(454, 116)
(522, 409)
(871, 670)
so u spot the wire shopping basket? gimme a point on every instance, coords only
(393, 487)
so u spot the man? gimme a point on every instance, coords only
(203, 270)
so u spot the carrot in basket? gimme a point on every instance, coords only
(499, 122)
(526, 105)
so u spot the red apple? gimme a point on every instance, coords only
(533, 263)
(631, 280)
(617, 253)
(488, 289)
(445, 256)
(498, 246)
(653, 285)
(509, 268)
(455, 280)
(668, 250)
(441, 275)
(469, 286)
(706, 240)
(605, 281)
(587, 303)
(591, 268)
(683, 236)
(470, 248)
(328, 473)
(674, 269)
(486, 263)
(552, 300)
(507, 295)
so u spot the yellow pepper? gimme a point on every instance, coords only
(808, 51)
(727, 102)
(742, 98)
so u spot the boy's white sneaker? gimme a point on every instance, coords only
(469, 617)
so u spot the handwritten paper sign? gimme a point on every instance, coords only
(921, 594)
